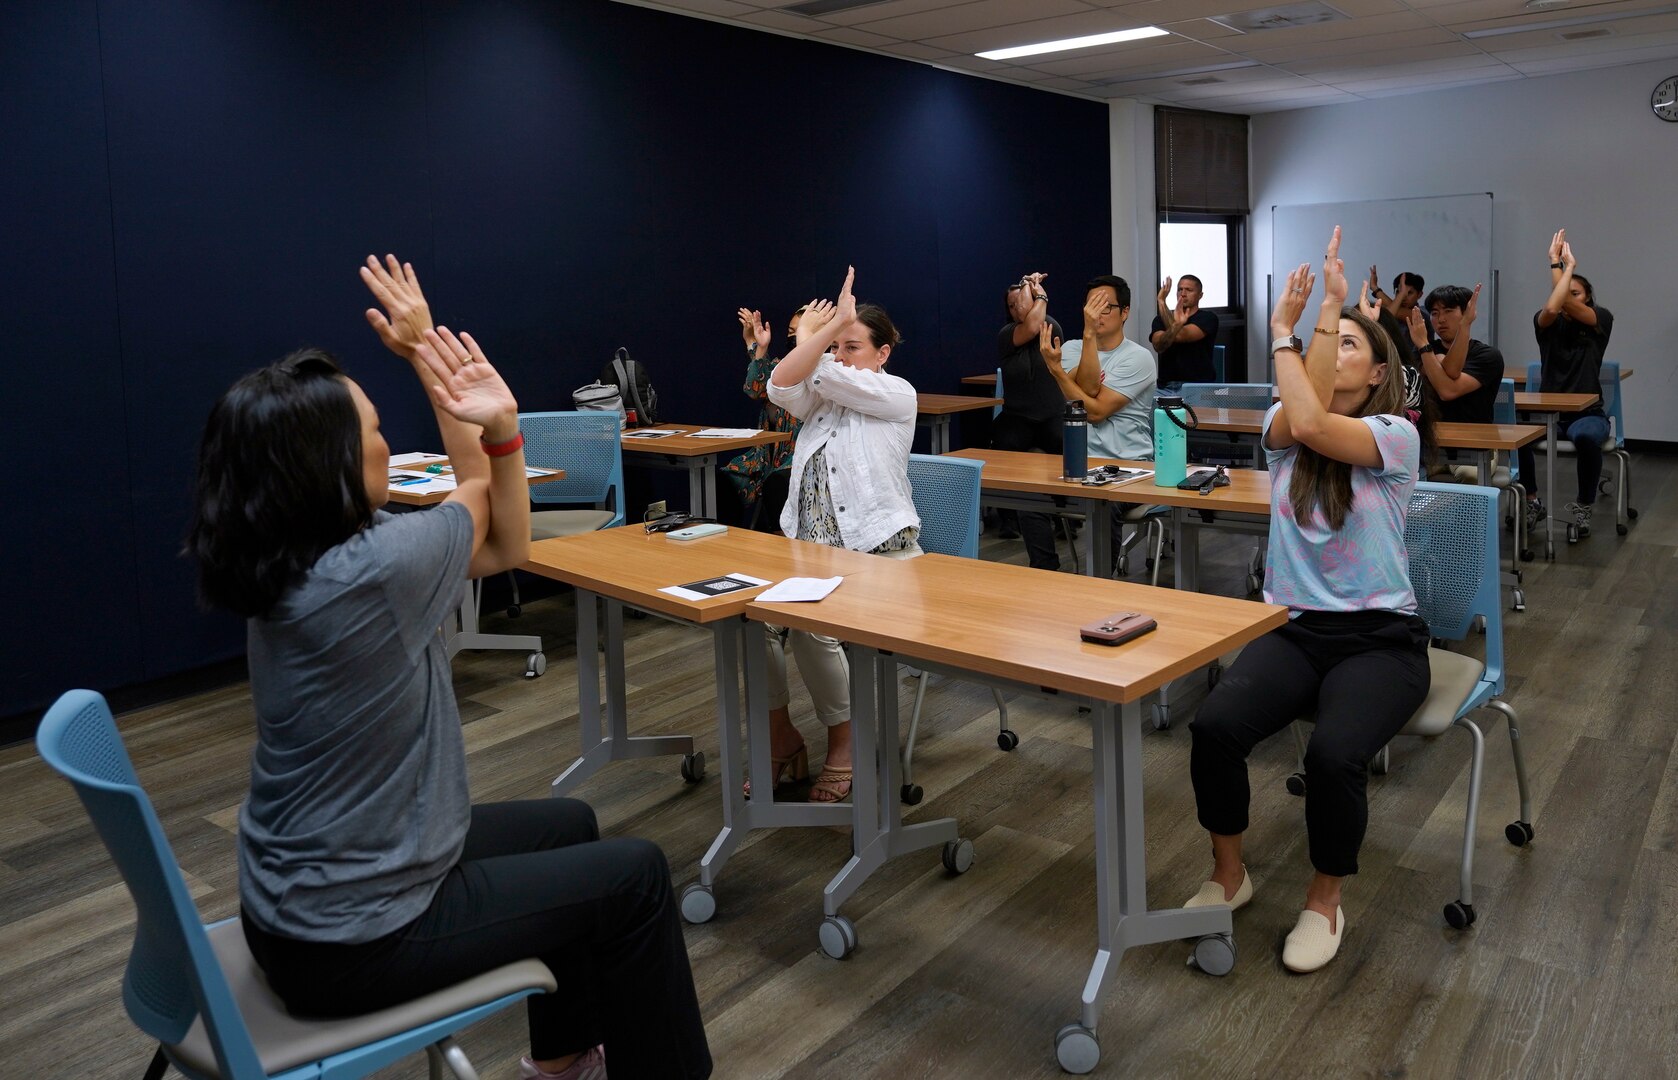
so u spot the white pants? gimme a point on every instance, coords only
(822, 664)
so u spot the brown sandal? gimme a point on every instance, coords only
(796, 766)
(827, 788)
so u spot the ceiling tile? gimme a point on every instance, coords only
(1425, 87)
(712, 7)
(1064, 26)
(1387, 61)
(1314, 50)
(1460, 70)
(1580, 62)
(850, 35)
(1546, 46)
(888, 10)
(1111, 63)
(982, 15)
(781, 20)
(916, 51)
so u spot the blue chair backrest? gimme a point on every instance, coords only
(1535, 376)
(946, 493)
(1218, 362)
(1228, 395)
(172, 974)
(1503, 407)
(588, 446)
(1451, 536)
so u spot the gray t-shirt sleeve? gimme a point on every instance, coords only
(421, 562)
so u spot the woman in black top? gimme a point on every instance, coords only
(1032, 400)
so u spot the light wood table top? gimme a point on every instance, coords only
(1534, 401)
(1017, 623)
(980, 380)
(1450, 435)
(684, 444)
(942, 404)
(432, 498)
(1248, 491)
(630, 564)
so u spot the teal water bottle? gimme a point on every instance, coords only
(1173, 417)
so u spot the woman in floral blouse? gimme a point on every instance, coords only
(760, 473)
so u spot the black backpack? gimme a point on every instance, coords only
(632, 382)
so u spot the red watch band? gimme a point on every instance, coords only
(502, 449)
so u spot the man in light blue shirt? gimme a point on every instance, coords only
(1113, 376)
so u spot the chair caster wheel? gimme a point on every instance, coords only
(911, 794)
(693, 766)
(1518, 833)
(838, 936)
(1573, 534)
(1519, 600)
(1255, 583)
(1527, 554)
(1006, 740)
(1621, 529)
(535, 664)
(1296, 784)
(1459, 915)
(1162, 717)
(958, 856)
(1215, 954)
(1149, 565)
(1381, 762)
(698, 903)
(1076, 1049)
(1631, 513)
(1480, 624)
(514, 611)
(1122, 567)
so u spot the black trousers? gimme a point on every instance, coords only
(1364, 673)
(1010, 432)
(535, 879)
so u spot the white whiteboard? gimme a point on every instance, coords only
(1447, 239)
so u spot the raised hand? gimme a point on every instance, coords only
(1291, 303)
(1049, 346)
(845, 309)
(1374, 284)
(1418, 327)
(1567, 259)
(1164, 297)
(1556, 243)
(748, 325)
(1334, 272)
(407, 316)
(760, 331)
(1471, 310)
(817, 314)
(1368, 305)
(466, 385)
(1095, 306)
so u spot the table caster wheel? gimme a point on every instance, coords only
(1215, 954)
(911, 794)
(1381, 762)
(1296, 784)
(1006, 740)
(1459, 915)
(1162, 717)
(1573, 534)
(958, 856)
(1631, 512)
(535, 664)
(1520, 600)
(1076, 1049)
(1518, 833)
(838, 936)
(698, 903)
(693, 766)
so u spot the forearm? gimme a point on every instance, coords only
(507, 541)
(1088, 372)
(1558, 293)
(1320, 354)
(1457, 355)
(800, 363)
(1444, 384)
(1302, 410)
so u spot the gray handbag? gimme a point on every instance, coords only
(599, 397)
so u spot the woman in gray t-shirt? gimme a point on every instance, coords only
(366, 877)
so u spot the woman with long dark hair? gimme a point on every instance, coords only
(1344, 459)
(366, 876)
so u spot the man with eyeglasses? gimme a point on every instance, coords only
(1031, 403)
(1184, 337)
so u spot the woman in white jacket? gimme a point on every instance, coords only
(849, 488)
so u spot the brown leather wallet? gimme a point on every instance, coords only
(1117, 629)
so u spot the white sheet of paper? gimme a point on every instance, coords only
(725, 433)
(650, 433)
(419, 483)
(399, 460)
(692, 594)
(799, 589)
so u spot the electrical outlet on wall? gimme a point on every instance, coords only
(655, 509)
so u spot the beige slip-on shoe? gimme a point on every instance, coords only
(1211, 894)
(1312, 944)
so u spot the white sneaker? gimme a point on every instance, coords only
(591, 1066)
(1312, 944)
(1581, 517)
(1211, 894)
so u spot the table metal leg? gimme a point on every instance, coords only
(1098, 545)
(616, 745)
(1550, 487)
(939, 425)
(466, 636)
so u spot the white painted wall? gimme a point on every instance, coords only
(1130, 147)
(1581, 151)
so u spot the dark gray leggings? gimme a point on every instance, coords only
(535, 879)
(1364, 673)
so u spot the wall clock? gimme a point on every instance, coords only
(1665, 99)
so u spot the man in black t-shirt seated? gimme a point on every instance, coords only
(1183, 338)
(1465, 373)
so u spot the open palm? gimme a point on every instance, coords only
(466, 385)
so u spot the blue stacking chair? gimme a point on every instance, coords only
(196, 989)
(1612, 447)
(946, 493)
(1451, 533)
(589, 447)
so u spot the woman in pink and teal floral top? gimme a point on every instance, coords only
(760, 472)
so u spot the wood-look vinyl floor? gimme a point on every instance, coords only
(1569, 971)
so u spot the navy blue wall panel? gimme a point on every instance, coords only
(567, 177)
(67, 575)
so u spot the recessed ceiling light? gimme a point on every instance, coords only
(1307, 13)
(1064, 44)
